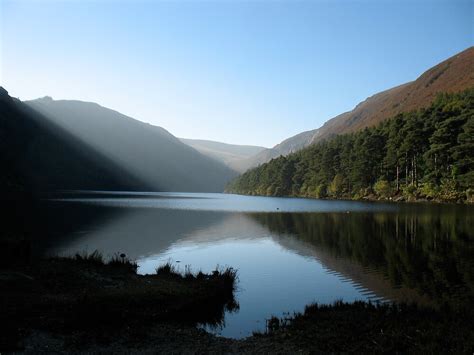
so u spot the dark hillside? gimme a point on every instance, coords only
(37, 156)
(149, 152)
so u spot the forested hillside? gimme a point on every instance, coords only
(428, 153)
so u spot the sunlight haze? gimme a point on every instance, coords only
(235, 71)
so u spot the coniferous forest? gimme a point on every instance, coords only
(424, 154)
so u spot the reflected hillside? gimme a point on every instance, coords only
(412, 253)
(138, 232)
(372, 283)
(430, 252)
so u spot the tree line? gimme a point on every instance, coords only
(428, 153)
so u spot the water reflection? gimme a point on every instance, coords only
(429, 252)
(286, 260)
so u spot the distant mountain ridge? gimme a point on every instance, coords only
(231, 155)
(452, 75)
(148, 152)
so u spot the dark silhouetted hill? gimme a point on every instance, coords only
(148, 152)
(48, 145)
(37, 155)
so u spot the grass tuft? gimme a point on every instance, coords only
(122, 261)
(95, 257)
(227, 275)
(167, 269)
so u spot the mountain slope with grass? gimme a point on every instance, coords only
(452, 75)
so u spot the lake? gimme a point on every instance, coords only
(289, 252)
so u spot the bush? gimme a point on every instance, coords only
(470, 194)
(336, 186)
(167, 269)
(363, 192)
(95, 257)
(321, 191)
(448, 190)
(429, 190)
(409, 191)
(270, 190)
(303, 190)
(382, 188)
(278, 191)
(121, 260)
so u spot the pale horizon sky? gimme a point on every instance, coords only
(240, 72)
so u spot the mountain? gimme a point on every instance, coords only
(37, 155)
(421, 154)
(148, 152)
(230, 154)
(452, 75)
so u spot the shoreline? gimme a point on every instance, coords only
(85, 304)
(59, 302)
(370, 198)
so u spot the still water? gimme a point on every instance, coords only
(289, 252)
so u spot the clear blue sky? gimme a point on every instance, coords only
(248, 72)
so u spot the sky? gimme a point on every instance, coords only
(242, 72)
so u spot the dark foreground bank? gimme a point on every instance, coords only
(85, 304)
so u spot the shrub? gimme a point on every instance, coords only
(303, 190)
(470, 194)
(335, 188)
(409, 190)
(270, 190)
(121, 260)
(448, 190)
(278, 191)
(363, 192)
(95, 257)
(382, 188)
(429, 190)
(321, 191)
(166, 269)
